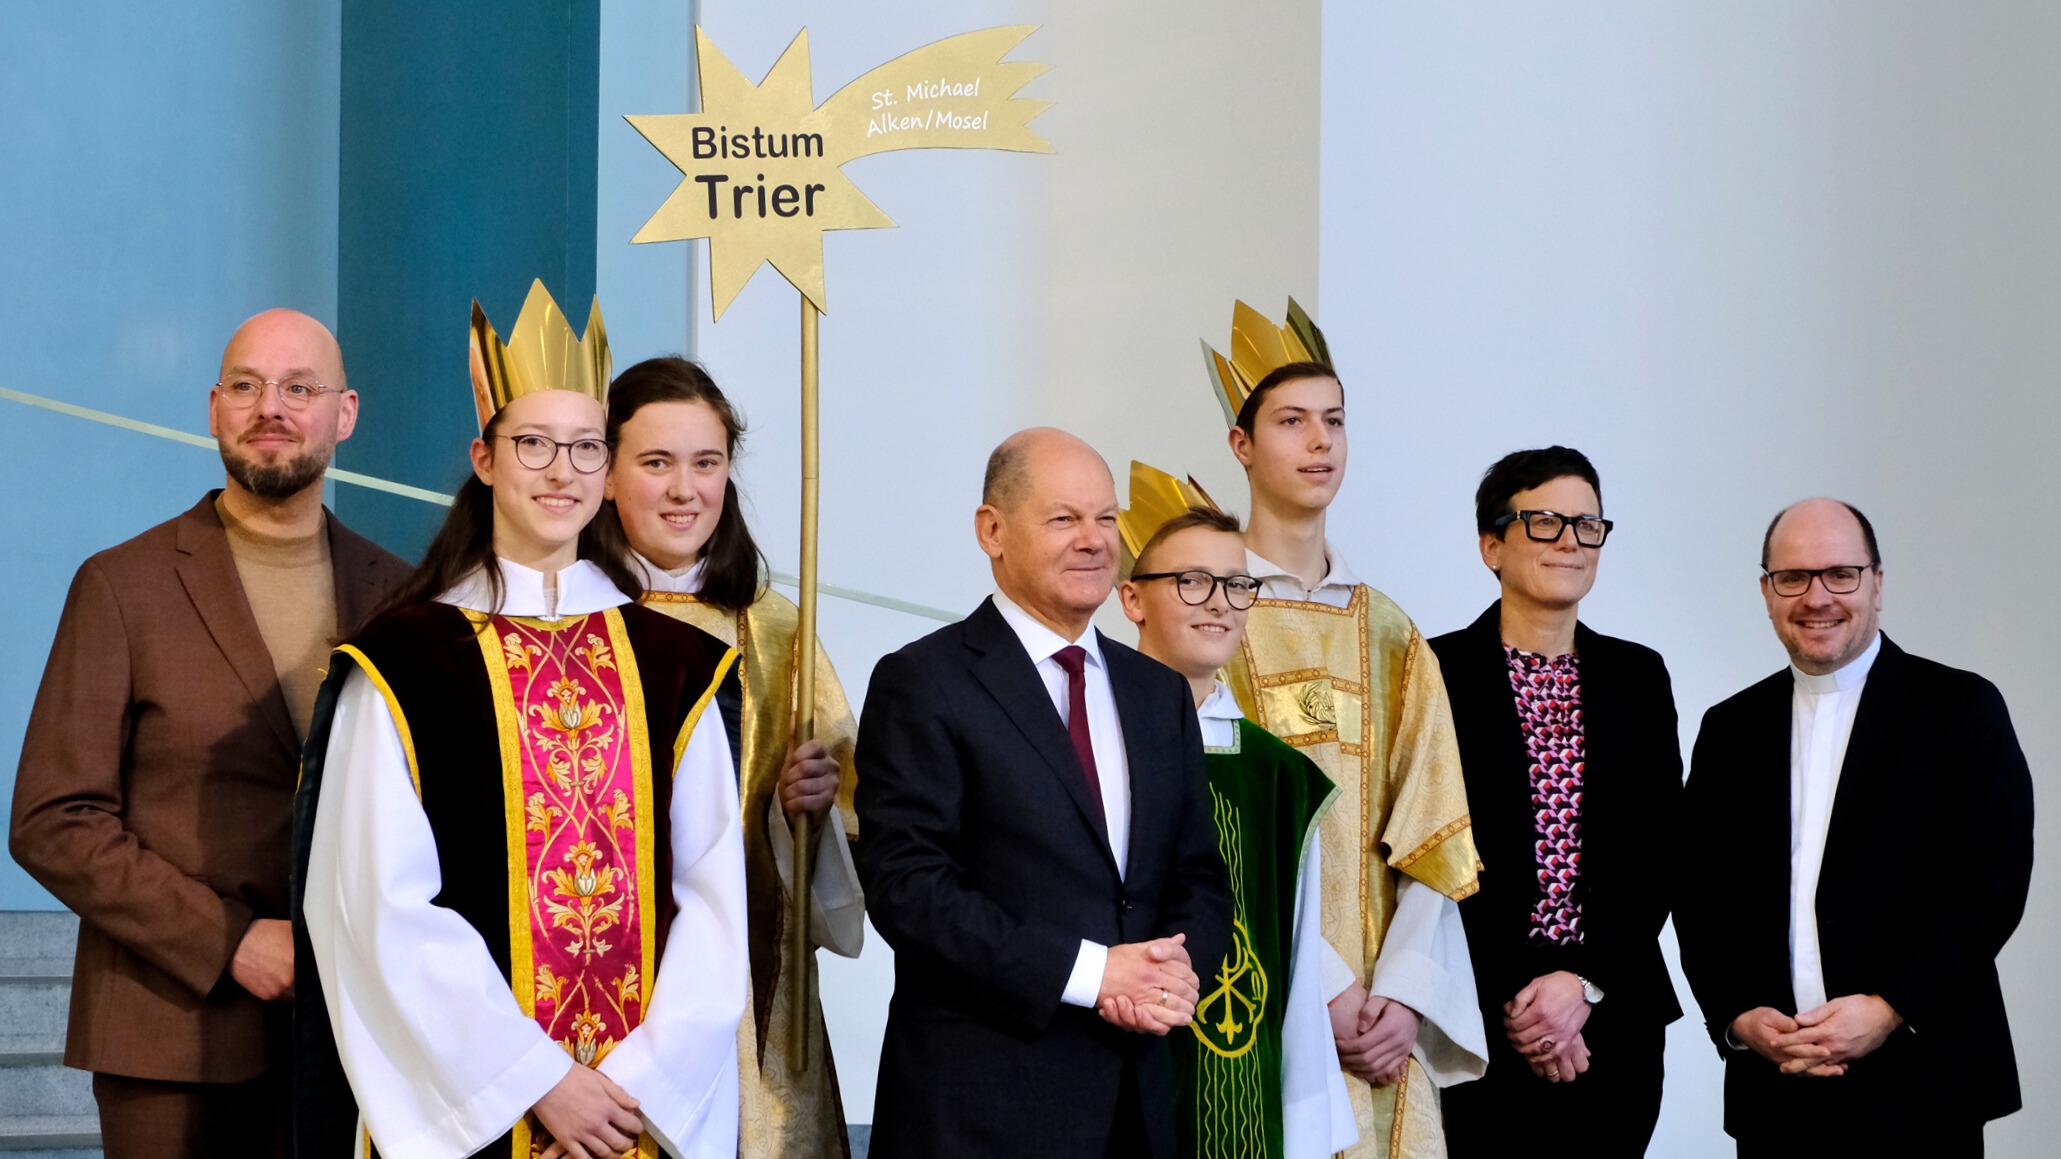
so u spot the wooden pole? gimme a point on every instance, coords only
(802, 956)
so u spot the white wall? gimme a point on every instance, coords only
(1739, 254)
(1067, 289)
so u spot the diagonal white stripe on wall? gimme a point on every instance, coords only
(173, 434)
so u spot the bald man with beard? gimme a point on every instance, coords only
(158, 769)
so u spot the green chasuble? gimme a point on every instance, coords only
(1266, 798)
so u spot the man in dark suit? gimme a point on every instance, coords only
(1860, 846)
(1574, 773)
(1036, 845)
(157, 774)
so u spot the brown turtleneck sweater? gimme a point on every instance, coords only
(291, 590)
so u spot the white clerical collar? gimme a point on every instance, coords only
(582, 589)
(686, 581)
(1219, 704)
(1040, 641)
(1843, 679)
(1339, 575)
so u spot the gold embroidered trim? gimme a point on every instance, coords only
(1280, 679)
(1395, 1125)
(1433, 842)
(393, 707)
(636, 723)
(522, 966)
(694, 715)
(1313, 605)
(649, 598)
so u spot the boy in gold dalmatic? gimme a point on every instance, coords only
(1336, 669)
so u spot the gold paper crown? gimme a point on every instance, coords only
(1156, 497)
(542, 354)
(1258, 348)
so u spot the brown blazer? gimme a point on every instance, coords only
(155, 793)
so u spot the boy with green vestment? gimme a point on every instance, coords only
(1256, 1071)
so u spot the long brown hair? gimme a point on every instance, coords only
(733, 574)
(465, 544)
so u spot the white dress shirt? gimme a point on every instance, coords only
(1112, 766)
(1334, 590)
(1820, 721)
(439, 1054)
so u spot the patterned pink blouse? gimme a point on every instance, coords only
(1549, 710)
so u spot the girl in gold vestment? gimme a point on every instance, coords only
(673, 515)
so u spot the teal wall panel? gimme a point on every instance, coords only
(467, 169)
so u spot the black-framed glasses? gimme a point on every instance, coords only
(243, 392)
(1195, 587)
(537, 452)
(1841, 579)
(1548, 526)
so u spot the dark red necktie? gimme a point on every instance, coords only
(1073, 658)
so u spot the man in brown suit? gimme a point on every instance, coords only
(158, 770)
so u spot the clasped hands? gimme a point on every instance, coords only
(1374, 1035)
(1544, 1024)
(1149, 987)
(588, 1117)
(1820, 1042)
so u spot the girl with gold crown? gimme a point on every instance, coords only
(516, 817)
(674, 518)
(1335, 668)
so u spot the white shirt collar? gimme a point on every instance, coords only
(582, 589)
(1339, 575)
(1843, 679)
(1220, 704)
(1040, 641)
(686, 581)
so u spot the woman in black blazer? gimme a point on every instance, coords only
(1573, 772)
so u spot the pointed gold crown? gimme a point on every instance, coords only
(1156, 497)
(542, 354)
(1258, 348)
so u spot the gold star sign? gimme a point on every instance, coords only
(762, 163)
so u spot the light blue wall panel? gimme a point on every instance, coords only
(164, 173)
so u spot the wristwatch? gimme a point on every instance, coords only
(1591, 993)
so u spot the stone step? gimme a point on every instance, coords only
(55, 1135)
(33, 1011)
(38, 1083)
(49, 935)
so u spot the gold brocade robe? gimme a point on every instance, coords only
(1358, 691)
(783, 1114)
